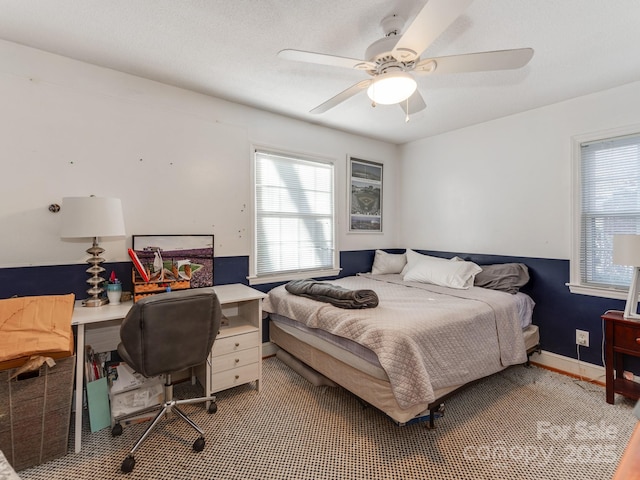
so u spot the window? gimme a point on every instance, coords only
(607, 203)
(294, 218)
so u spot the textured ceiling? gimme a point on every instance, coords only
(228, 49)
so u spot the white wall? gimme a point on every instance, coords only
(180, 161)
(504, 187)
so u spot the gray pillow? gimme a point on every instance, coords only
(506, 277)
(384, 262)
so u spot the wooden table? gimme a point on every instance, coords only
(100, 328)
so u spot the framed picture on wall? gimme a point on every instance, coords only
(365, 196)
(177, 257)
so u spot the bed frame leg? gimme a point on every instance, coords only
(432, 415)
(537, 349)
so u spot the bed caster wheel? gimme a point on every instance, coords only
(213, 407)
(116, 431)
(198, 445)
(128, 464)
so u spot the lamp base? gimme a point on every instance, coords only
(631, 307)
(94, 302)
(95, 280)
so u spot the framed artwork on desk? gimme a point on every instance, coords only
(365, 196)
(177, 257)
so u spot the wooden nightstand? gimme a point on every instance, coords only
(622, 337)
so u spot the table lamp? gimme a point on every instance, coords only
(626, 251)
(92, 217)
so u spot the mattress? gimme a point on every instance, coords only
(524, 310)
(356, 355)
(352, 372)
(426, 337)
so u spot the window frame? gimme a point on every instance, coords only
(575, 274)
(253, 277)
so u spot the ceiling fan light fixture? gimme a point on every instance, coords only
(391, 88)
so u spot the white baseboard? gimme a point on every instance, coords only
(571, 366)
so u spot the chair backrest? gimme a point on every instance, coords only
(170, 331)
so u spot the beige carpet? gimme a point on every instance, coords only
(523, 423)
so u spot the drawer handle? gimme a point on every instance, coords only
(237, 344)
(237, 360)
(638, 340)
(237, 377)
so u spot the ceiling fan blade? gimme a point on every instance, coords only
(476, 62)
(416, 104)
(323, 59)
(434, 18)
(341, 97)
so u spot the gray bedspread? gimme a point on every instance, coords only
(426, 337)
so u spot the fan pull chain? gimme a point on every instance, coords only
(406, 119)
(373, 89)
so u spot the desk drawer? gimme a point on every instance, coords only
(235, 343)
(235, 377)
(627, 338)
(232, 360)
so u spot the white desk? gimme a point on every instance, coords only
(101, 326)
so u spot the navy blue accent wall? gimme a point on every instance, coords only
(57, 279)
(61, 279)
(558, 313)
(228, 270)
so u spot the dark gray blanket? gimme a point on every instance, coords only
(333, 294)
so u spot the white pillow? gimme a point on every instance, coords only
(413, 258)
(385, 262)
(438, 271)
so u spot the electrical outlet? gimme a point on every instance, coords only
(582, 338)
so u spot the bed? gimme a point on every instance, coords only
(421, 343)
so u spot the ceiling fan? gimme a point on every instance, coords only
(391, 60)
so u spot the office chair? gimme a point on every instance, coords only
(165, 333)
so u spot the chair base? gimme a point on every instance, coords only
(166, 408)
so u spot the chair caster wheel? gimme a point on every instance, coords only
(128, 464)
(213, 407)
(198, 445)
(116, 430)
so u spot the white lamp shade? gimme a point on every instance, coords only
(626, 250)
(87, 217)
(391, 88)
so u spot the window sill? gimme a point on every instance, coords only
(285, 277)
(603, 292)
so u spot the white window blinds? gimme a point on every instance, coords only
(610, 188)
(294, 214)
